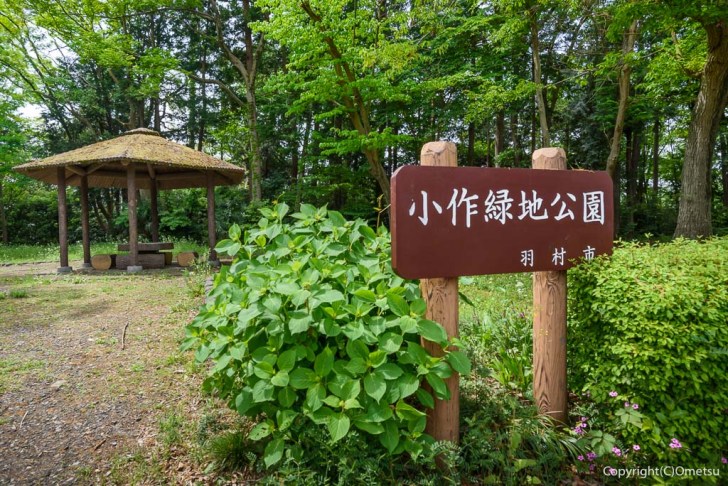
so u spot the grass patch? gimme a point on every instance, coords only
(14, 371)
(49, 253)
(18, 293)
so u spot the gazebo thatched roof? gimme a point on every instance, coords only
(105, 164)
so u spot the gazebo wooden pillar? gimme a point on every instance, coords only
(131, 189)
(63, 220)
(85, 223)
(211, 218)
(154, 202)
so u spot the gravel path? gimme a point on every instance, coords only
(71, 399)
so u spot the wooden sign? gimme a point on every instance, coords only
(456, 221)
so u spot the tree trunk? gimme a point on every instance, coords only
(540, 101)
(694, 218)
(655, 156)
(500, 131)
(624, 73)
(515, 140)
(3, 217)
(724, 167)
(471, 144)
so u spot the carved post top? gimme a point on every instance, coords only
(439, 154)
(549, 158)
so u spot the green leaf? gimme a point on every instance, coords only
(299, 322)
(418, 307)
(369, 427)
(324, 362)
(315, 396)
(300, 297)
(287, 360)
(280, 379)
(432, 331)
(375, 386)
(262, 391)
(438, 386)
(244, 401)
(407, 385)
(357, 349)
(338, 426)
(390, 342)
(273, 452)
(285, 418)
(407, 411)
(287, 397)
(235, 232)
(337, 219)
(330, 296)
(302, 378)
(425, 398)
(281, 210)
(398, 305)
(228, 247)
(390, 371)
(366, 295)
(390, 437)
(459, 362)
(260, 431)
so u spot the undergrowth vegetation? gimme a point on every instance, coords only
(316, 341)
(650, 323)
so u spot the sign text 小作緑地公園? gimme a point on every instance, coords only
(456, 221)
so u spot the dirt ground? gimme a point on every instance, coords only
(89, 369)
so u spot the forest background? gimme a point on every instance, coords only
(322, 100)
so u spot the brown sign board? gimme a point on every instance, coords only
(456, 221)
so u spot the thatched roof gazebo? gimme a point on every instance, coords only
(137, 159)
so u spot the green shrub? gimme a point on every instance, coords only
(310, 330)
(650, 323)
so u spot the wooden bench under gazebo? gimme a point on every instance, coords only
(137, 159)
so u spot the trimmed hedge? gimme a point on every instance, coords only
(651, 322)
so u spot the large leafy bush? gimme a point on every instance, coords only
(651, 322)
(310, 329)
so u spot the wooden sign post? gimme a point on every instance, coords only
(441, 296)
(549, 320)
(450, 221)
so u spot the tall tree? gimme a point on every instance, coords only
(694, 212)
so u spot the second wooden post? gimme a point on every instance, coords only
(549, 321)
(441, 296)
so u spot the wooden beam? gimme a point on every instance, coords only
(180, 175)
(549, 321)
(62, 220)
(441, 296)
(77, 170)
(152, 172)
(154, 209)
(85, 234)
(131, 189)
(211, 215)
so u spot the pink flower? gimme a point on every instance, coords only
(617, 451)
(612, 394)
(584, 419)
(612, 471)
(626, 404)
(636, 447)
(591, 456)
(724, 460)
(591, 467)
(675, 444)
(635, 406)
(581, 458)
